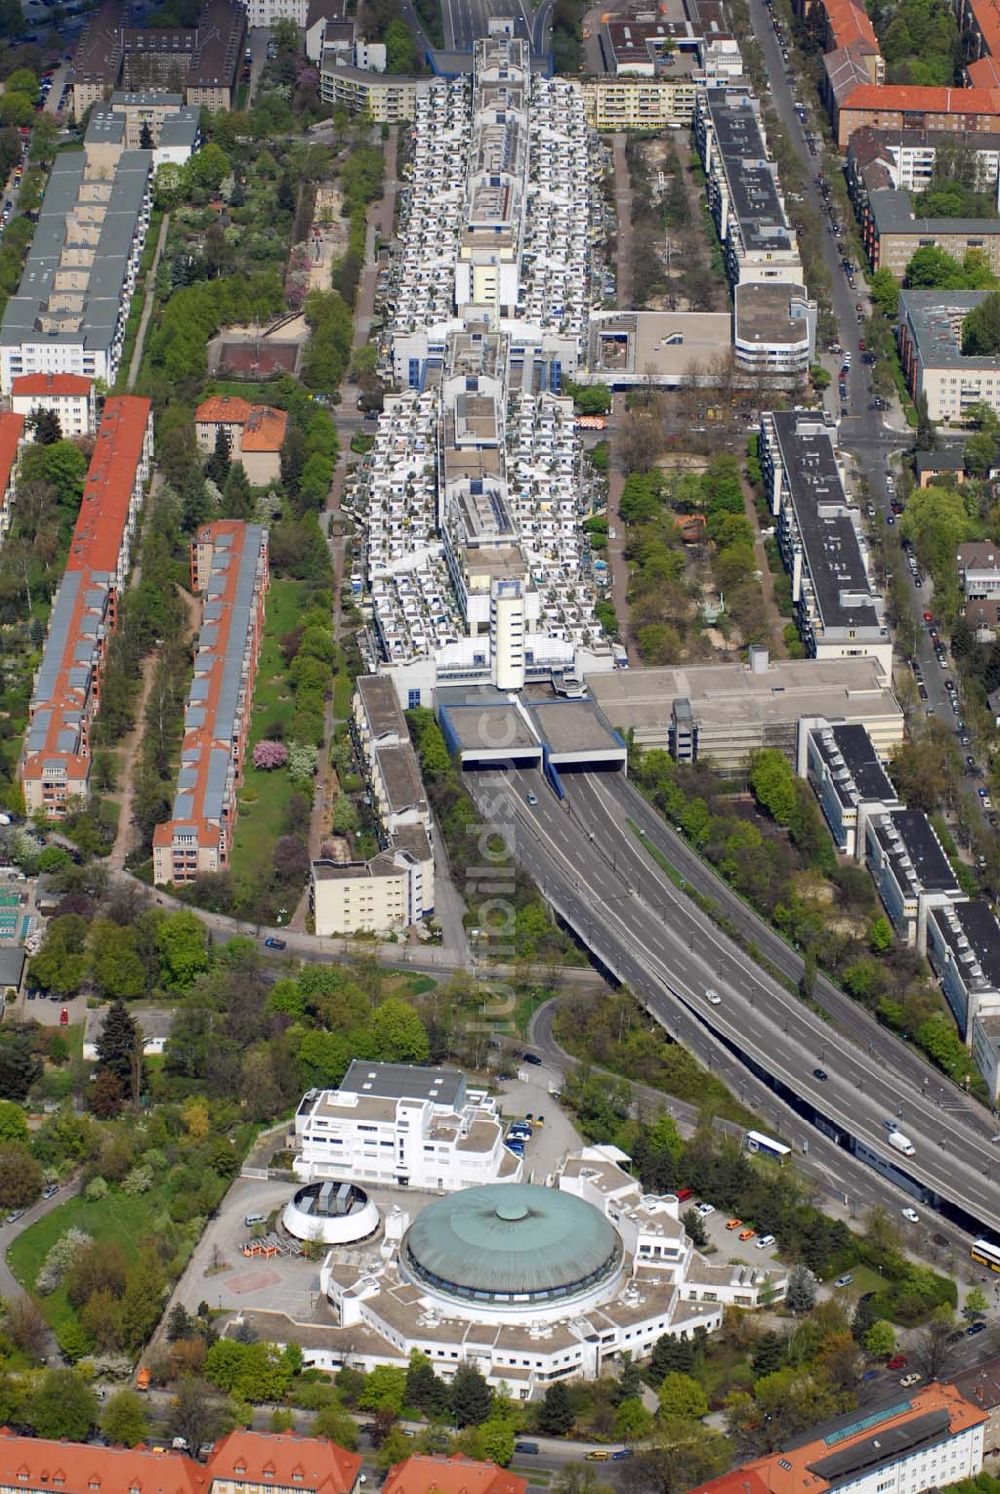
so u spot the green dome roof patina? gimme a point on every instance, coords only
(511, 1241)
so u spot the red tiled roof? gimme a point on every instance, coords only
(11, 432)
(307, 1463)
(850, 25)
(891, 97)
(223, 409)
(29, 384)
(107, 491)
(32, 1463)
(265, 429)
(793, 1469)
(420, 1474)
(985, 73)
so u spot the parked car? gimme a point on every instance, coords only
(911, 1216)
(765, 1241)
(897, 1362)
(532, 1058)
(974, 1328)
(747, 1234)
(844, 1281)
(705, 1209)
(734, 1224)
(911, 1379)
(529, 1448)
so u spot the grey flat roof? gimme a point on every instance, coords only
(12, 962)
(935, 318)
(829, 536)
(766, 313)
(749, 174)
(575, 729)
(381, 705)
(855, 746)
(931, 866)
(978, 926)
(732, 694)
(404, 1081)
(401, 776)
(892, 212)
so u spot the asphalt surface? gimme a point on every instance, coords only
(593, 870)
(466, 20)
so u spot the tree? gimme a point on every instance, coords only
(115, 964)
(146, 141)
(195, 1414)
(880, 935)
(773, 784)
(399, 54)
(45, 425)
(801, 1293)
(681, 1455)
(118, 1045)
(931, 1350)
(124, 1420)
(470, 1397)
(217, 466)
(981, 328)
(695, 1226)
(976, 1303)
(13, 1122)
(180, 939)
(681, 1396)
(880, 1340)
(20, 1177)
(425, 1391)
(884, 289)
(555, 1414)
(397, 1034)
(237, 495)
(63, 1406)
(20, 1066)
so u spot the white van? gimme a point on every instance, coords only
(251, 1219)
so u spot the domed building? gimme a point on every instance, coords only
(512, 1250)
(331, 1213)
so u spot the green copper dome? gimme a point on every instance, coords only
(510, 1242)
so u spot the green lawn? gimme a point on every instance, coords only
(257, 393)
(264, 796)
(117, 1217)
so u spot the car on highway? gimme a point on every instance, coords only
(272, 943)
(531, 798)
(712, 997)
(911, 1379)
(532, 1058)
(910, 1215)
(820, 1074)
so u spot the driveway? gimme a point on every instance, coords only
(551, 1142)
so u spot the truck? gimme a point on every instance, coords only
(901, 1143)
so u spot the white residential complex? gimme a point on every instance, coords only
(532, 1283)
(473, 493)
(403, 1126)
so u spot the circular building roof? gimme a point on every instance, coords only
(511, 1241)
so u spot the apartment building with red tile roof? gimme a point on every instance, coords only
(284, 1463)
(11, 436)
(35, 1464)
(932, 1437)
(229, 566)
(256, 434)
(70, 397)
(903, 106)
(55, 760)
(436, 1474)
(240, 1463)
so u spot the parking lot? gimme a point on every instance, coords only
(728, 1244)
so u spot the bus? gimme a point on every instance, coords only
(986, 1254)
(766, 1146)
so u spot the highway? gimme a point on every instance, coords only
(594, 871)
(466, 20)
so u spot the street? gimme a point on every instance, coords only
(593, 869)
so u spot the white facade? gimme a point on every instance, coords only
(391, 892)
(266, 12)
(660, 1286)
(400, 1126)
(71, 400)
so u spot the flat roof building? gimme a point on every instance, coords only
(54, 768)
(847, 775)
(722, 712)
(930, 350)
(229, 566)
(911, 871)
(744, 193)
(839, 612)
(963, 943)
